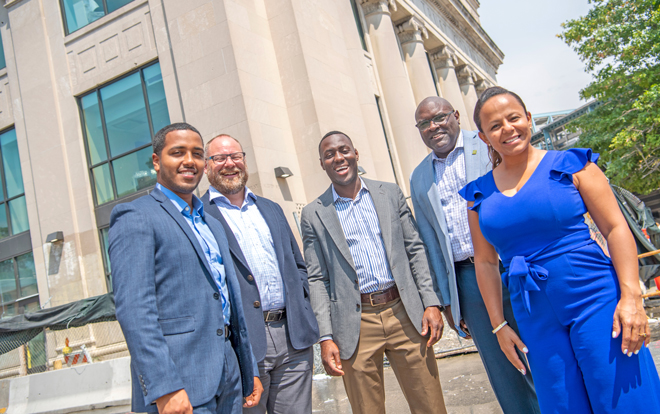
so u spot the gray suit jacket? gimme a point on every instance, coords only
(431, 218)
(333, 282)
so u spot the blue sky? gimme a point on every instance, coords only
(540, 67)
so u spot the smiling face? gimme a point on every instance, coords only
(339, 160)
(231, 176)
(505, 124)
(180, 164)
(440, 138)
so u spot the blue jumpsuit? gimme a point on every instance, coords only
(564, 291)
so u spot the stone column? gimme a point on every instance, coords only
(469, 92)
(445, 69)
(397, 92)
(411, 35)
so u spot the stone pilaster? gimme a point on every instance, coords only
(411, 35)
(444, 62)
(466, 81)
(397, 92)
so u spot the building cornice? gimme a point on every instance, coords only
(412, 30)
(370, 7)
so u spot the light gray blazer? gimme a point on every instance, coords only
(431, 218)
(333, 282)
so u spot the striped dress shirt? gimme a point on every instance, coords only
(450, 177)
(359, 222)
(256, 242)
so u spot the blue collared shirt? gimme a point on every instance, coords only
(359, 221)
(256, 243)
(206, 240)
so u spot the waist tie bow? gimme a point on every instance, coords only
(521, 278)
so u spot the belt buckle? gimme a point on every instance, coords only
(227, 331)
(371, 297)
(471, 258)
(271, 316)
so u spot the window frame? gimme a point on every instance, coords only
(66, 23)
(20, 301)
(5, 200)
(110, 158)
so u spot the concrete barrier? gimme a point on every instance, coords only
(77, 389)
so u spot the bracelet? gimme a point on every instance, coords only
(500, 326)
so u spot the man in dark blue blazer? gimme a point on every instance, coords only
(273, 280)
(176, 292)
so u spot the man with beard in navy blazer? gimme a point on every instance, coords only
(273, 280)
(177, 296)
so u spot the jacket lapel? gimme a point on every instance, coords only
(328, 216)
(383, 211)
(169, 207)
(474, 168)
(212, 209)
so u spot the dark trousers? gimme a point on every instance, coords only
(229, 397)
(514, 392)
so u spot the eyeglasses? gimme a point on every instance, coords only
(220, 159)
(438, 120)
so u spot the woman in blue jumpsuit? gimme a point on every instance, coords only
(580, 313)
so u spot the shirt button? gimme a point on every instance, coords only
(250, 278)
(220, 332)
(357, 306)
(256, 303)
(216, 295)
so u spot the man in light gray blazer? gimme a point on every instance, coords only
(370, 286)
(457, 158)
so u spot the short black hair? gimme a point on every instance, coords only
(334, 133)
(159, 138)
(486, 95)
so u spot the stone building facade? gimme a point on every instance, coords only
(88, 82)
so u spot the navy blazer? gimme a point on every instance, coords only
(168, 304)
(301, 322)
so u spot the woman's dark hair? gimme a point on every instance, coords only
(494, 156)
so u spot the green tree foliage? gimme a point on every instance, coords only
(619, 41)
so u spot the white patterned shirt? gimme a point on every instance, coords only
(449, 178)
(359, 221)
(256, 242)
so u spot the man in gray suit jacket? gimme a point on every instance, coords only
(370, 286)
(177, 296)
(457, 158)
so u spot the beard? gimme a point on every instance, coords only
(228, 185)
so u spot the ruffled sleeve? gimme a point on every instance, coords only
(571, 161)
(471, 192)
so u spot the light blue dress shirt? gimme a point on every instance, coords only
(359, 221)
(207, 241)
(256, 242)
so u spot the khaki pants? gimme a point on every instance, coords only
(387, 328)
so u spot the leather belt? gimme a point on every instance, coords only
(227, 331)
(469, 260)
(274, 315)
(380, 297)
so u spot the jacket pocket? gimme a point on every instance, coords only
(177, 326)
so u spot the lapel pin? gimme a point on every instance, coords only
(474, 152)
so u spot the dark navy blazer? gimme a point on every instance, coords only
(168, 305)
(302, 327)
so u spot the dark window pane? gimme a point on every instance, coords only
(125, 115)
(103, 184)
(94, 128)
(80, 13)
(156, 94)
(7, 281)
(115, 4)
(12, 163)
(4, 227)
(18, 215)
(3, 64)
(27, 276)
(134, 172)
(106, 256)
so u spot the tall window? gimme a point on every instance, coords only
(3, 63)
(18, 285)
(358, 23)
(119, 121)
(13, 211)
(80, 13)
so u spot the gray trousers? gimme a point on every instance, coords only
(514, 392)
(286, 375)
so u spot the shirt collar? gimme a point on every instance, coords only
(220, 198)
(181, 205)
(459, 144)
(335, 196)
